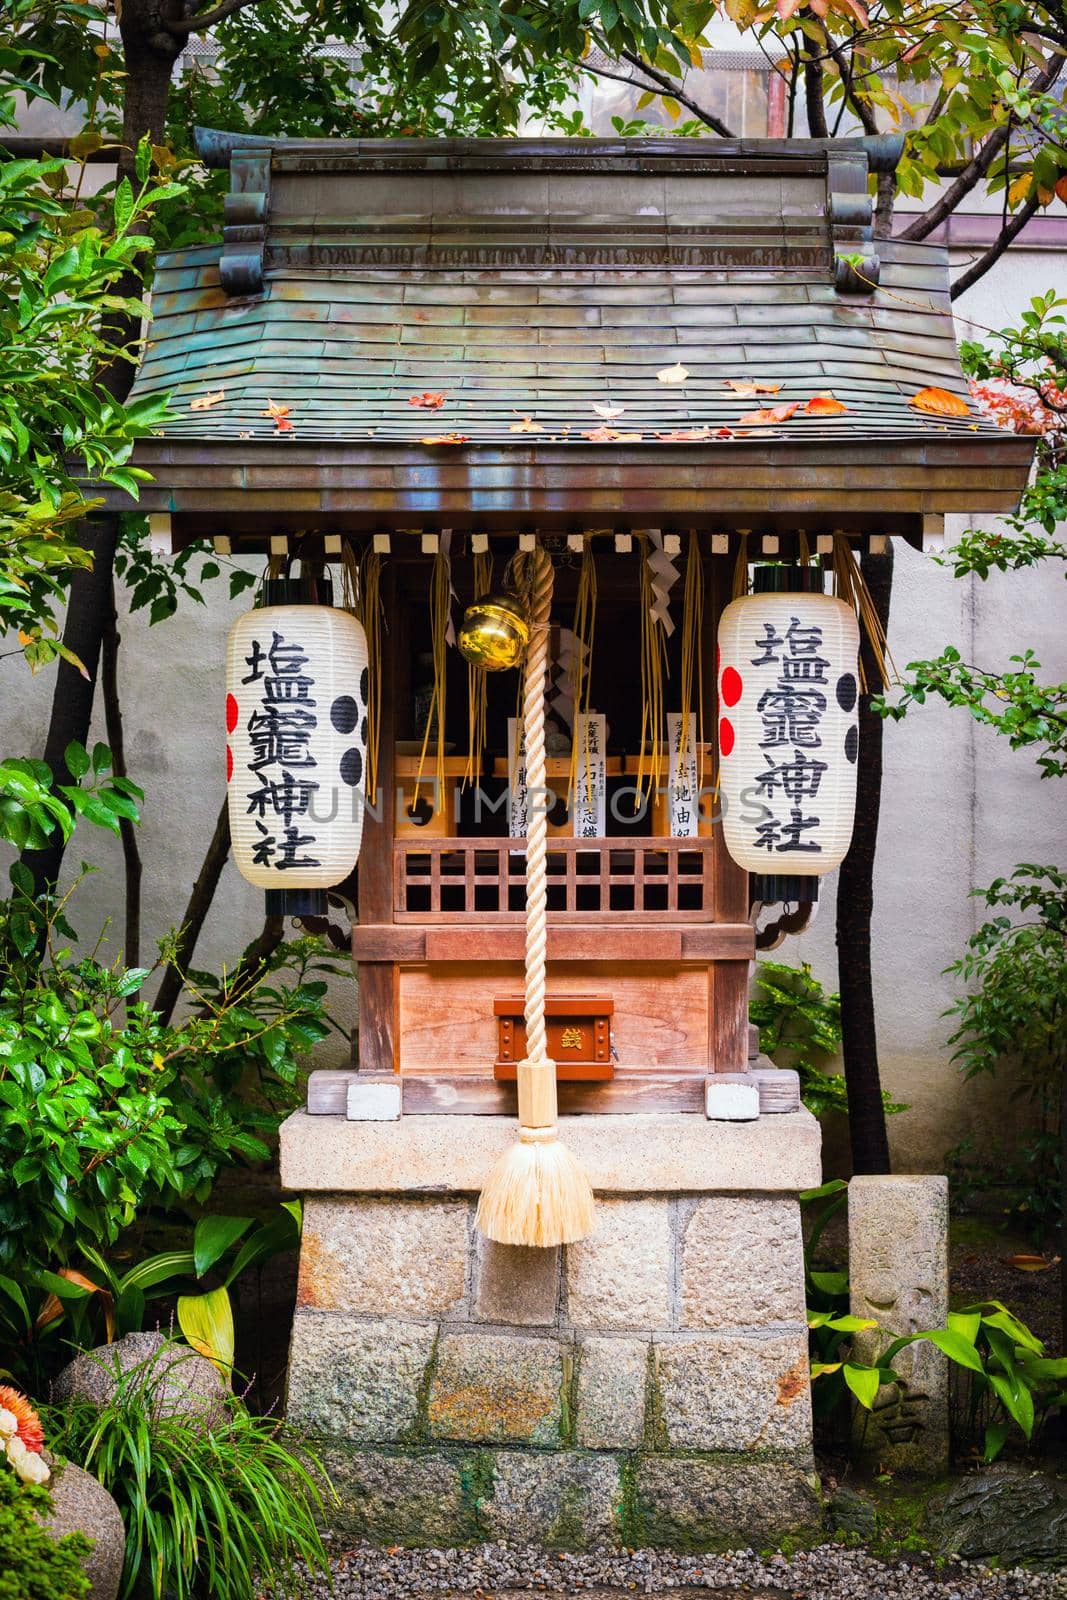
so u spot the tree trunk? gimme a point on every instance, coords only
(72, 700)
(855, 905)
(131, 854)
(149, 56)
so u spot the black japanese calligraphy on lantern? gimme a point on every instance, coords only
(791, 708)
(280, 729)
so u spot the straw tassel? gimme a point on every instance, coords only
(537, 1194)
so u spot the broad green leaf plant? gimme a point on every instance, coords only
(800, 1027)
(1011, 1380)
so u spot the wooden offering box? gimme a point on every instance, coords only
(579, 1037)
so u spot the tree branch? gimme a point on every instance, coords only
(814, 96)
(976, 169)
(663, 83)
(887, 199)
(131, 855)
(844, 66)
(249, 969)
(203, 892)
(181, 27)
(979, 268)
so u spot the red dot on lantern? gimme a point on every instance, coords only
(229, 763)
(731, 686)
(231, 713)
(726, 736)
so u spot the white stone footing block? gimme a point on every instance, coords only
(372, 1101)
(731, 1102)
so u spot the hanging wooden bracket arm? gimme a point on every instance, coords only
(850, 209)
(245, 213)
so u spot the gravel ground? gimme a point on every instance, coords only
(831, 1572)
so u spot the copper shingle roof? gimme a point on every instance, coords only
(537, 280)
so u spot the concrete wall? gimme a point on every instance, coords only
(959, 807)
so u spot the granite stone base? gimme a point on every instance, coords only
(647, 1386)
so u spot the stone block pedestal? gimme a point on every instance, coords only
(647, 1386)
(898, 1267)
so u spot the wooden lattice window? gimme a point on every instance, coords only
(666, 880)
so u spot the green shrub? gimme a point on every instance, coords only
(34, 1566)
(210, 1507)
(1012, 1022)
(800, 1027)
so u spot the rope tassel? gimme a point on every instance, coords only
(537, 1194)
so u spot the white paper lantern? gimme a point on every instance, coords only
(788, 735)
(297, 699)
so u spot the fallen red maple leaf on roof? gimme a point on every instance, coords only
(279, 415)
(446, 438)
(771, 414)
(428, 401)
(825, 405)
(940, 403)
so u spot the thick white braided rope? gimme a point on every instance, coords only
(533, 713)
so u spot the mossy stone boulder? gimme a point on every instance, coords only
(82, 1505)
(179, 1382)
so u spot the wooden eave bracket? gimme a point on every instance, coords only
(850, 214)
(245, 212)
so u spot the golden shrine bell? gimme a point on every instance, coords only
(495, 632)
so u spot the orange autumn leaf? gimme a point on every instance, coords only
(673, 375)
(629, 438)
(1019, 188)
(204, 402)
(825, 405)
(445, 438)
(940, 403)
(52, 1306)
(1030, 1263)
(609, 413)
(1061, 189)
(747, 388)
(601, 435)
(526, 425)
(428, 400)
(771, 414)
(279, 415)
(685, 435)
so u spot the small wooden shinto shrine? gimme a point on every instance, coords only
(420, 368)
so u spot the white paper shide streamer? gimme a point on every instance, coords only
(664, 575)
(297, 697)
(788, 731)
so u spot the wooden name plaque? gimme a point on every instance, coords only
(579, 1036)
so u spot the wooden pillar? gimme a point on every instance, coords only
(378, 979)
(727, 980)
